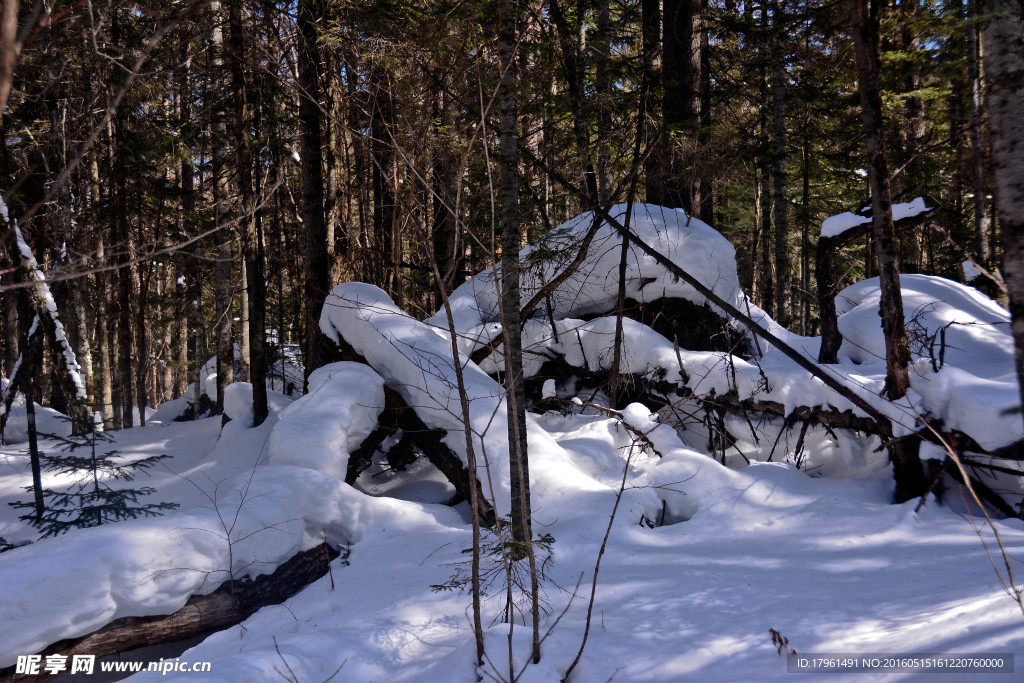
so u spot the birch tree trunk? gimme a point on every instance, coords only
(1003, 46)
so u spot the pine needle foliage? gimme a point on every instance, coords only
(91, 500)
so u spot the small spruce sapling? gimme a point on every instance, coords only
(91, 500)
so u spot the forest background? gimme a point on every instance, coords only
(193, 174)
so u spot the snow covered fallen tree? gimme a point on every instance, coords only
(745, 401)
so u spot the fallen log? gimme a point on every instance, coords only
(831, 339)
(232, 603)
(398, 415)
(658, 393)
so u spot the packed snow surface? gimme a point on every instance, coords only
(830, 564)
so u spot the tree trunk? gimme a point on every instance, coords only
(447, 245)
(909, 474)
(680, 73)
(310, 126)
(510, 296)
(515, 392)
(220, 151)
(1004, 90)
(603, 85)
(387, 236)
(650, 19)
(254, 356)
(231, 603)
(780, 199)
(974, 137)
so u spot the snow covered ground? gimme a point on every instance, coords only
(830, 564)
(701, 561)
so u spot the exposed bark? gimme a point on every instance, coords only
(230, 604)
(315, 261)
(254, 285)
(780, 182)
(510, 274)
(398, 415)
(1004, 94)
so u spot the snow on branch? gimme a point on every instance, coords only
(44, 304)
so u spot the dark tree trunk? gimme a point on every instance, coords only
(650, 19)
(676, 178)
(571, 42)
(780, 198)
(909, 474)
(254, 306)
(447, 245)
(315, 261)
(220, 153)
(510, 296)
(974, 136)
(385, 185)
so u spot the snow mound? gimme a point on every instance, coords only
(322, 428)
(417, 362)
(48, 421)
(969, 378)
(692, 244)
(71, 585)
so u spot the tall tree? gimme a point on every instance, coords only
(909, 474)
(315, 262)
(676, 183)
(780, 181)
(1003, 47)
(220, 152)
(251, 228)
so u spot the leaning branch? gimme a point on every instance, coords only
(42, 302)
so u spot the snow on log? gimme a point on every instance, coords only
(416, 361)
(232, 603)
(591, 288)
(837, 232)
(833, 226)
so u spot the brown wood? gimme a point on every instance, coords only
(831, 340)
(398, 415)
(230, 604)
